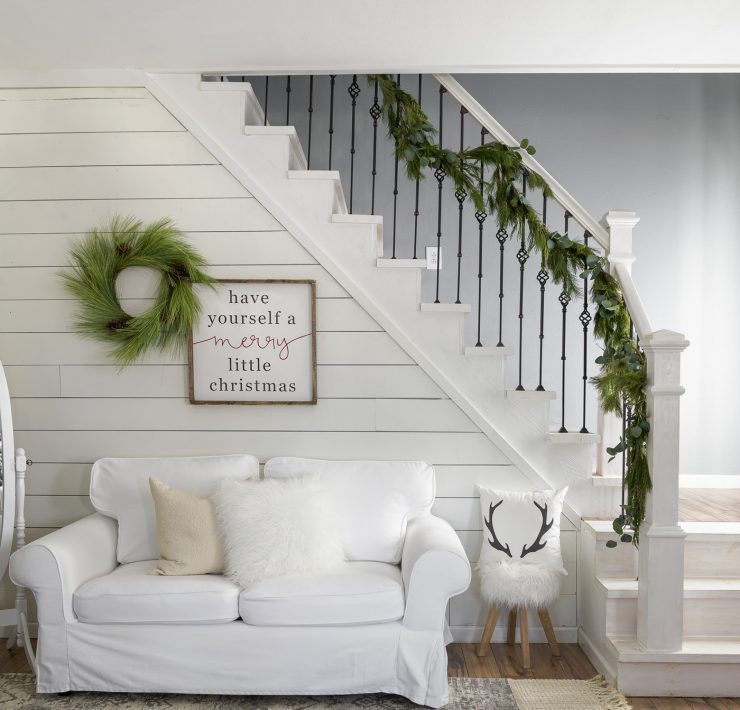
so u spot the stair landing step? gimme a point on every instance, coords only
(445, 307)
(695, 650)
(694, 587)
(706, 532)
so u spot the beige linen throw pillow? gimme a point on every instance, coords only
(186, 532)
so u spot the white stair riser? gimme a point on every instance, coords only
(704, 559)
(715, 616)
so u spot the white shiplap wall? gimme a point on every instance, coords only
(69, 160)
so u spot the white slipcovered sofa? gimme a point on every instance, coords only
(376, 625)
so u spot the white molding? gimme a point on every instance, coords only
(472, 634)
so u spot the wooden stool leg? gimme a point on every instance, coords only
(524, 631)
(485, 639)
(511, 633)
(544, 615)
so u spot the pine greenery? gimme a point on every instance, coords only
(490, 176)
(103, 254)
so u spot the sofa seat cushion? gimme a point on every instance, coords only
(130, 595)
(357, 593)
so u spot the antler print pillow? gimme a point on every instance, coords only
(522, 526)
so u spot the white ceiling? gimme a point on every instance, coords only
(345, 35)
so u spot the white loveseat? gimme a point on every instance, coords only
(377, 625)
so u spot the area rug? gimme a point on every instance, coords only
(17, 692)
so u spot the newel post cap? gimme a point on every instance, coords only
(619, 218)
(664, 340)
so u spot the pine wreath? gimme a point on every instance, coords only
(103, 254)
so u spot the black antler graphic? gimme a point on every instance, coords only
(495, 544)
(537, 544)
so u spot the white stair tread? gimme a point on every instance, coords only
(270, 131)
(572, 437)
(694, 587)
(706, 649)
(445, 307)
(225, 86)
(357, 218)
(401, 264)
(531, 394)
(314, 175)
(491, 350)
(719, 531)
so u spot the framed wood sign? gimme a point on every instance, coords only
(254, 343)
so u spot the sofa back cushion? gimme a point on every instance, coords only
(373, 500)
(119, 488)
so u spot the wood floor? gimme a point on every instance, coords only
(501, 662)
(709, 504)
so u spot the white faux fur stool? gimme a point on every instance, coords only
(520, 563)
(518, 586)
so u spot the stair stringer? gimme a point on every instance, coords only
(348, 251)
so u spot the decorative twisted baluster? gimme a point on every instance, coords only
(439, 174)
(416, 202)
(564, 301)
(585, 319)
(354, 92)
(332, 82)
(310, 120)
(375, 115)
(521, 256)
(501, 237)
(480, 216)
(460, 196)
(395, 178)
(542, 278)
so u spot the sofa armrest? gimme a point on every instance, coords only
(434, 567)
(54, 566)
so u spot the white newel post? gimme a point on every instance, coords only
(609, 426)
(660, 582)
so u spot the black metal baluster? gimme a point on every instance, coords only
(332, 81)
(395, 177)
(564, 301)
(310, 120)
(416, 204)
(288, 91)
(267, 96)
(624, 452)
(501, 237)
(542, 278)
(354, 92)
(460, 196)
(439, 174)
(585, 319)
(480, 216)
(375, 115)
(521, 256)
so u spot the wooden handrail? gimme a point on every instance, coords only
(562, 196)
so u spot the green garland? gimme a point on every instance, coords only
(98, 260)
(623, 372)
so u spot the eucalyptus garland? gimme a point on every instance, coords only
(490, 175)
(98, 260)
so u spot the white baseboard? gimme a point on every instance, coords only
(607, 669)
(709, 481)
(6, 631)
(472, 634)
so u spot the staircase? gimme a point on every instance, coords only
(486, 383)
(709, 660)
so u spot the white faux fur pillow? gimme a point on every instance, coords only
(276, 527)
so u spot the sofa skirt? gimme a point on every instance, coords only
(237, 659)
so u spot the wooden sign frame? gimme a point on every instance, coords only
(312, 291)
